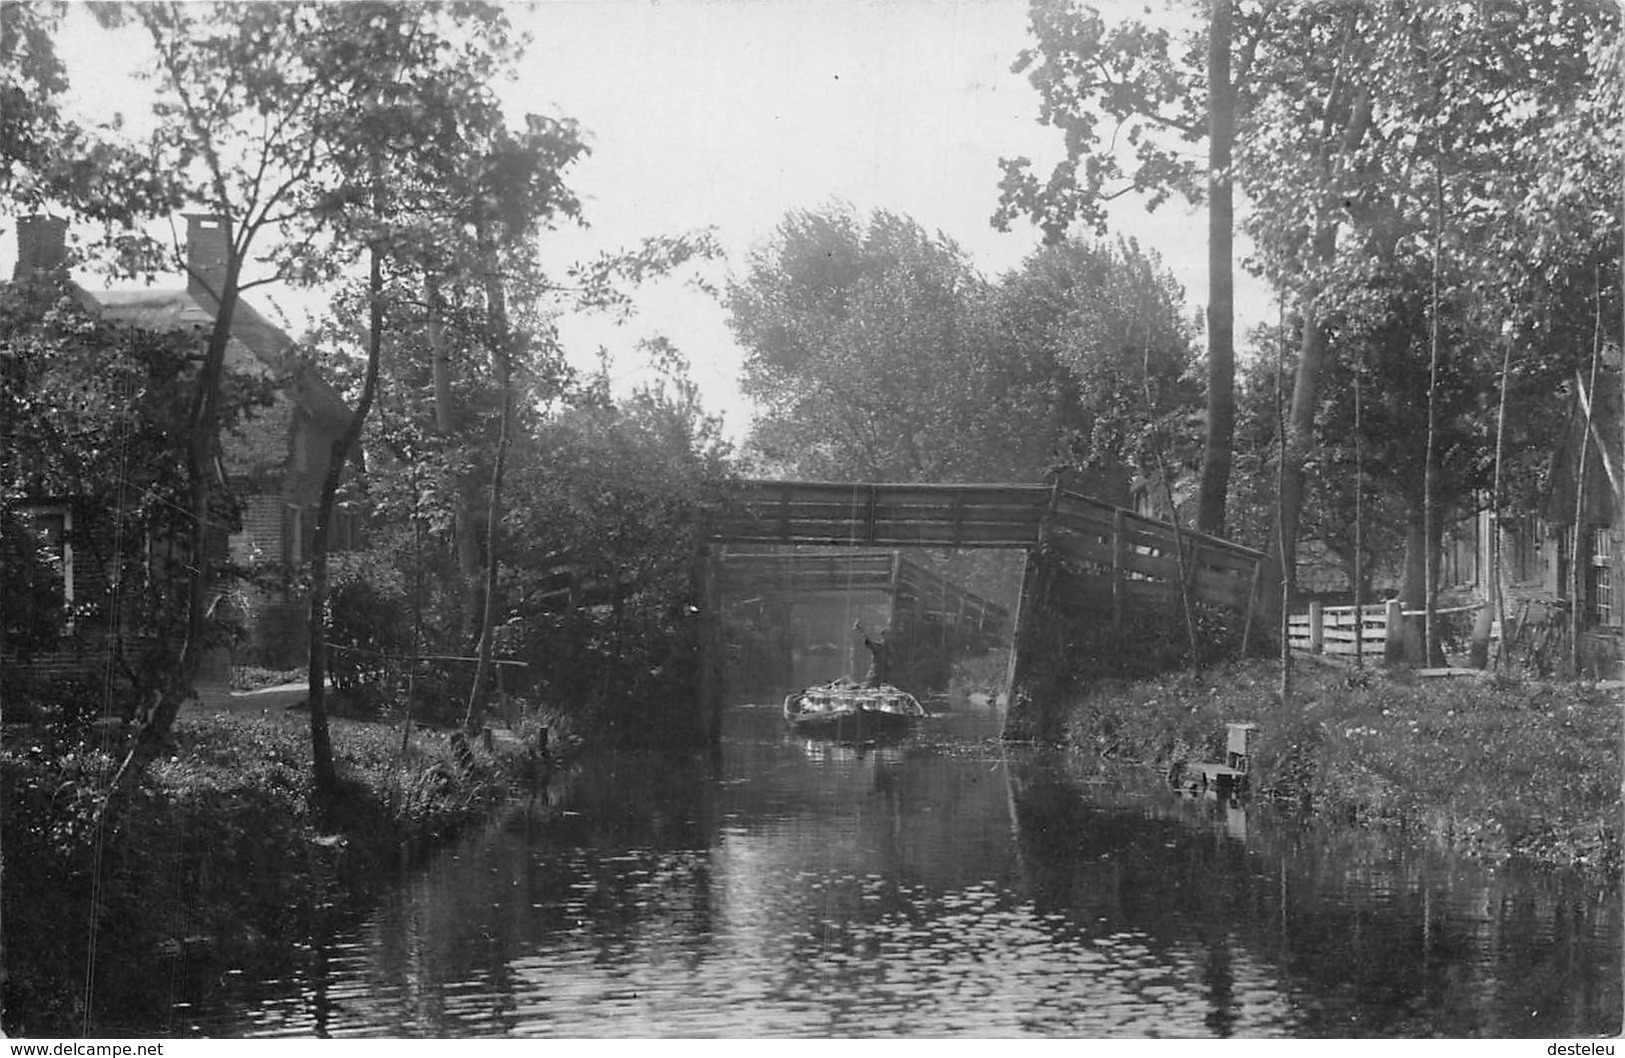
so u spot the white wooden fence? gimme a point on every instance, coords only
(1336, 629)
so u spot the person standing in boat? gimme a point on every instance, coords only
(879, 657)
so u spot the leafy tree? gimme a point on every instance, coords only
(1369, 139)
(1100, 331)
(862, 342)
(49, 160)
(1132, 85)
(405, 191)
(879, 354)
(91, 422)
(614, 644)
(252, 101)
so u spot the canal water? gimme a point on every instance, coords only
(946, 885)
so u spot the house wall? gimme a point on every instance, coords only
(90, 661)
(276, 459)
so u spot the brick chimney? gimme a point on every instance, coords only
(208, 246)
(41, 245)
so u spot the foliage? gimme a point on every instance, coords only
(601, 592)
(368, 625)
(866, 344)
(253, 678)
(1103, 85)
(228, 859)
(597, 542)
(47, 158)
(1371, 140)
(31, 593)
(1152, 642)
(879, 354)
(92, 425)
(1107, 358)
(1122, 90)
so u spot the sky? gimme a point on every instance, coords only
(726, 114)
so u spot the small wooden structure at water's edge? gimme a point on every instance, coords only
(1223, 780)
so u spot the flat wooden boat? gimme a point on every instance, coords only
(851, 712)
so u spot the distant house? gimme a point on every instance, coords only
(1593, 434)
(1536, 554)
(274, 461)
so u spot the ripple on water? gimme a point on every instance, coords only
(825, 901)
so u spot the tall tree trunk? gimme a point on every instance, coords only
(1221, 354)
(1578, 559)
(1413, 585)
(204, 484)
(1284, 585)
(1358, 578)
(501, 356)
(321, 743)
(1497, 596)
(1299, 433)
(445, 423)
(1422, 537)
(1182, 563)
(1311, 360)
(1430, 516)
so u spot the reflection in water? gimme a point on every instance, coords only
(942, 885)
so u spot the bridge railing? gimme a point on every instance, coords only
(1115, 558)
(886, 515)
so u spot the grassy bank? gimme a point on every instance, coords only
(1495, 767)
(223, 859)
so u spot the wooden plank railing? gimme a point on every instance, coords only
(1115, 558)
(842, 515)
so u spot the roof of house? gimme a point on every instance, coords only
(258, 347)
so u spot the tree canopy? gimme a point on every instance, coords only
(877, 352)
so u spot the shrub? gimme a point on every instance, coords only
(368, 630)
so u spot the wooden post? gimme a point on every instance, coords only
(892, 581)
(1119, 561)
(1317, 628)
(1252, 605)
(706, 586)
(1393, 644)
(1032, 711)
(1015, 635)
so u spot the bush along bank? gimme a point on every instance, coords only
(1491, 766)
(222, 860)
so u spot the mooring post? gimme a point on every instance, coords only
(1393, 645)
(1119, 571)
(706, 584)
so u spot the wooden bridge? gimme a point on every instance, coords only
(1085, 560)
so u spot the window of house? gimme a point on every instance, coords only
(1600, 577)
(1526, 537)
(346, 535)
(1564, 580)
(52, 525)
(1460, 554)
